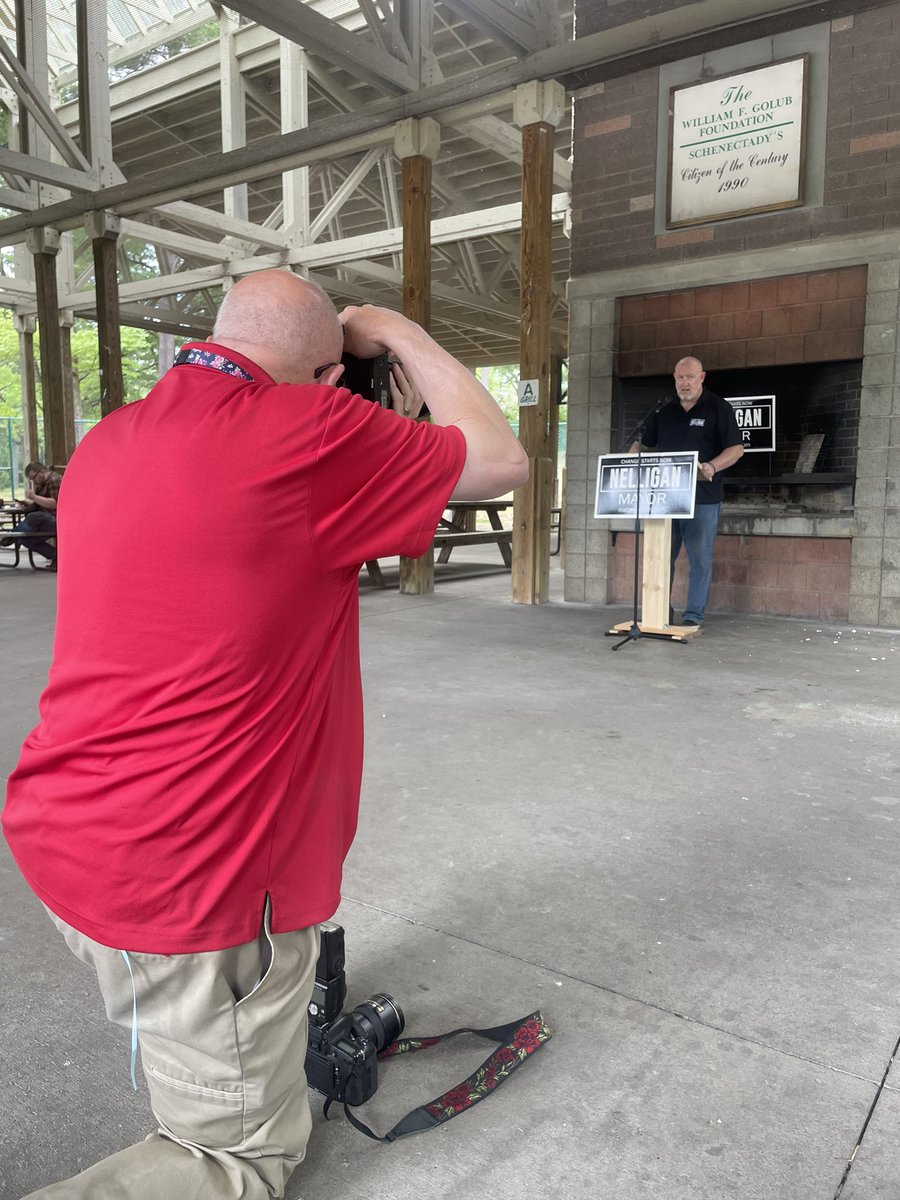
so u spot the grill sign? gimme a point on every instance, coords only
(666, 485)
(756, 420)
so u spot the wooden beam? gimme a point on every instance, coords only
(94, 120)
(417, 574)
(499, 23)
(303, 25)
(533, 501)
(103, 229)
(66, 321)
(233, 109)
(294, 79)
(32, 99)
(25, 327)
(56, 174)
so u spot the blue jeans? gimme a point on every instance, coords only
(37, 522)
(697, 536)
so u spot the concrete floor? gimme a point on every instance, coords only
(685, 855)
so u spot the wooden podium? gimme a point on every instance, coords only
(657, 552)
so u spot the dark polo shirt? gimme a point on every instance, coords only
(709, 428)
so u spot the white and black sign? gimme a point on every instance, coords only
(756, 420)
(737, 143)
(529, 392)
(666, 484)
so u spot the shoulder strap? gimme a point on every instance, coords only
(518, 1041)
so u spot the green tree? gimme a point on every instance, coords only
(199, 36)
(10, 378)
(140, 353)
(503, 384)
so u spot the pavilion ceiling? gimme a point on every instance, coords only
(228, 138)
(170, 115)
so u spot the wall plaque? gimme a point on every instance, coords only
(737, 143)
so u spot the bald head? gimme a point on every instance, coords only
(689, 376)
(282, 322)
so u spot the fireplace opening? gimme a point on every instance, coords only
(816, 424)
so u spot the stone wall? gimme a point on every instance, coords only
(790, 319)
(614, 203)
(777, 576)
(851, 221)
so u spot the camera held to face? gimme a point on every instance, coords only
(342, 1054)
(368, 377)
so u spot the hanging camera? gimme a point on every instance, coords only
(342, 1055)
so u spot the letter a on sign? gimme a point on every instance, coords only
(529, 390)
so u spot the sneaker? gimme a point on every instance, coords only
(690, 621)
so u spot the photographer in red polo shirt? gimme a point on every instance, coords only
(184, 806)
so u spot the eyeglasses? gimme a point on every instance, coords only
(320, 371)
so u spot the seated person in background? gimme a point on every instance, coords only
(41, 498)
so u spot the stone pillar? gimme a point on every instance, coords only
(875, 561)
(416, 143)
(539, 107)
(591, 350)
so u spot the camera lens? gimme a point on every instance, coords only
(378, 1020)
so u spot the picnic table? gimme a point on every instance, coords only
(10, 516)
(458, 526)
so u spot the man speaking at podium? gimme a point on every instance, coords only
(698, 420)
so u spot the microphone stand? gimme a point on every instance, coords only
(635, 632)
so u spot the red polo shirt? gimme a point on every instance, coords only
(200, 736)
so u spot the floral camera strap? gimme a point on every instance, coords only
(517, 1040)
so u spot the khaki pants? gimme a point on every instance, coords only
(223, 1053)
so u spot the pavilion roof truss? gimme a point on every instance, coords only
(274, 144)
(354, 52)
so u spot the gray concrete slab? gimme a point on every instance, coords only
(873, 1175)
(686, 855)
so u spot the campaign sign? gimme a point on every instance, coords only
(666, 484)
(756, 421)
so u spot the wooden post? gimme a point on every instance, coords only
(656, 564)
(44, 246)
(538, 109)
(294, 92)
(656, 571)
(103, 230)
(416, 144)
(232, 107)
(25, 327)
(66, 321)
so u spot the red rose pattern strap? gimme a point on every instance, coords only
(519, 1040)
(195, 356)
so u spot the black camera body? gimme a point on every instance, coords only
(342, 1054)
(368, 377)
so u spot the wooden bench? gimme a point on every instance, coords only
(445, 541)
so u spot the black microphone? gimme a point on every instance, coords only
(639, 428)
